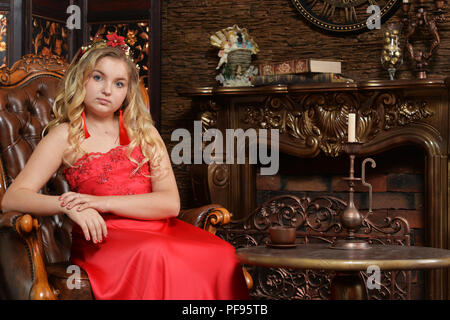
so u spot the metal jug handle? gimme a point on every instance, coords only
(363, 181)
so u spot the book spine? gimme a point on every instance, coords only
(296, 66)
(295, 78)
(287, 67)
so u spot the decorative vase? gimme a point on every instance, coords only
(391, 55)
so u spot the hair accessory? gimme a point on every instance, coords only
(114, 41)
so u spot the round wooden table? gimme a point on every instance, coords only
(347, 284)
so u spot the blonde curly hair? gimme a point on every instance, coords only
(68, 107)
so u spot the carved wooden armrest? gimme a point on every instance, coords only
(27, 228)
(207, 217)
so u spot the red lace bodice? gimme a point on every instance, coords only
(110, 173)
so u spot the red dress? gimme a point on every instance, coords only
(148, 259)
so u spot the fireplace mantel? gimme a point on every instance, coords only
(312, 119)
(314, 87)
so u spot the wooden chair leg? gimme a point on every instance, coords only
(28, 228)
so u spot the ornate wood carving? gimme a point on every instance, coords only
(312, 119)
(50, 38)
(316, 220)
(320, 119)
(29, 65)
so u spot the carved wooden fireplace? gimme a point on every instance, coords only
(312, 121)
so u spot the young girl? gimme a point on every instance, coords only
(124, 199)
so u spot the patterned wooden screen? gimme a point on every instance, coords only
(50, 38)
(3, 37)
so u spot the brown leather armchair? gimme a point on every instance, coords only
(35, 252)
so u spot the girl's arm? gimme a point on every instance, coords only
(162, 202)
(23, 194)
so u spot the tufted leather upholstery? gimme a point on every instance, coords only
(26, 96)
(24, 112)
(39, 256)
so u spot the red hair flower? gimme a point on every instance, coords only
(114, 40)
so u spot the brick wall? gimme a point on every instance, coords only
(397, 182)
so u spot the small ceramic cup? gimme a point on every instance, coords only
(282, 234)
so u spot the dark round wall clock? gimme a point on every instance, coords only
(346, 15)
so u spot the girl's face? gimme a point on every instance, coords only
(106, 87)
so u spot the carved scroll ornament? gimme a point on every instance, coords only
(26, 66)
(323, 117)
(316, 221)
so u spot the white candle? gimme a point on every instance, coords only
(351, 127)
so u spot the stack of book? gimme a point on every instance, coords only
(299, 71)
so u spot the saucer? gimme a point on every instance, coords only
(280, 246)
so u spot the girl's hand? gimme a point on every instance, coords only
(91, 222)
(83, 201)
